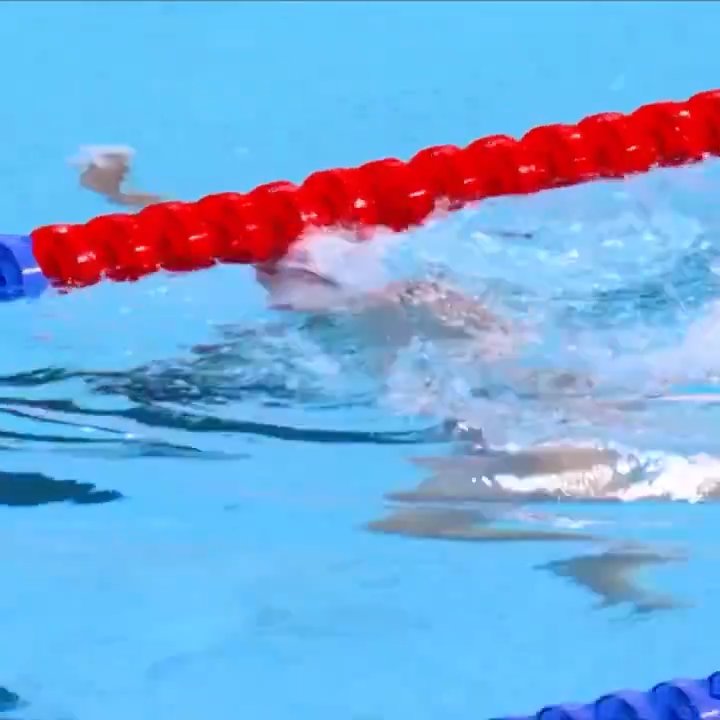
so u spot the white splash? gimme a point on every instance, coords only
(634, 476)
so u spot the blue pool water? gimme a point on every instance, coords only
(191, 483)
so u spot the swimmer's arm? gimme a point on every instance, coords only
(104, 170)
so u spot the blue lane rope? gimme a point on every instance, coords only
(674, 700)
(20, 274)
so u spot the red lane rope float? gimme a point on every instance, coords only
(260, 225)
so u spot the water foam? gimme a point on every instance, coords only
(633, 476)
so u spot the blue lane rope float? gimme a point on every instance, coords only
(678, 699)
(20, 274)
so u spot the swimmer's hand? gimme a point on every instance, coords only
(104, 169)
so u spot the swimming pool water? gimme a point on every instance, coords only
(190, 481)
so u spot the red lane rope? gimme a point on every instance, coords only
(260, 225)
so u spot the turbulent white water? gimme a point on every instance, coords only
(634, 476)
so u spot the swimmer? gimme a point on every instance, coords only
(336, 278)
